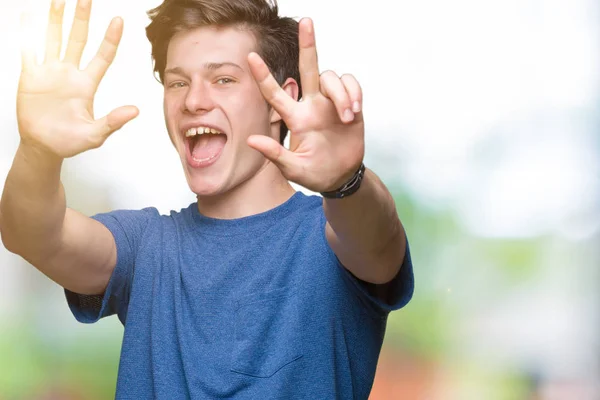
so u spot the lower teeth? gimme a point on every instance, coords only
(202, 159)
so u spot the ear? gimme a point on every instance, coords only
(290, 86)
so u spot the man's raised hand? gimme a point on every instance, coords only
(326, 127)
(55, 98)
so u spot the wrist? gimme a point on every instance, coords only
(349, 187)
(36, 155)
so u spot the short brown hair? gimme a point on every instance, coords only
(276, 37)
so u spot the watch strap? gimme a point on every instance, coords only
(349, 187)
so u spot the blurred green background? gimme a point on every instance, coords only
(483, 118)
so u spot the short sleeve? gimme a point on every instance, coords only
(127, 228)
(381, 299)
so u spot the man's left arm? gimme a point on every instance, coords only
(326, 147)
(365, 233)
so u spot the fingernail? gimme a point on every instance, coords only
(356, 107)
(348, 115)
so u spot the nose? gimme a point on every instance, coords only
(198, 99)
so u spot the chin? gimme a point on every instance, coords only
(204, 182)
(203, 187)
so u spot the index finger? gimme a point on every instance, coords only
(270, 89)
(107, 51)
(308, 62)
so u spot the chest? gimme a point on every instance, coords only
(208, 274)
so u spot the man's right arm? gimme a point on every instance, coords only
(73, 250)
(56, 121)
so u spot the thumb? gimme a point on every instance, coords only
(115, 120)
(284, 159)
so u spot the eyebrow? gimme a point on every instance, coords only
(216, 65)
(211, 66)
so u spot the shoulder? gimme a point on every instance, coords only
(128, 217)
(308, 204)
(141, 219)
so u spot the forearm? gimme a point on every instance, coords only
(33, 204)
(365, 231)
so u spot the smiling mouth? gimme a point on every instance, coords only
(204, 144)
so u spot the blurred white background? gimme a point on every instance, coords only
(487, 111)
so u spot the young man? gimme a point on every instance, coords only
(255, 291)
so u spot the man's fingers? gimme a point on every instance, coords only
(333, 88)
(79, 32)
(308, 62)
(107, 51)
(54, 32)
(284, 159)
(270, 89)
(28, 52)
(114, 121)
(354, 91)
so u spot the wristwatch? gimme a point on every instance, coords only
(349, 187)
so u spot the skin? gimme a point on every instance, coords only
(208, 82)
(326, 149)
(56, 121)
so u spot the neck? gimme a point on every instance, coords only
(264, 191)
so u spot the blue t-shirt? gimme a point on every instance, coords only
(252, 308)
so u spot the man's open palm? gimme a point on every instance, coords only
(326, 126)
(55, 98)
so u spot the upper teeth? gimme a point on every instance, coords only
(200, 130)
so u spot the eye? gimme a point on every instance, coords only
(176, 85)
(224, 81)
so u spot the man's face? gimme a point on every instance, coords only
(209, 88)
